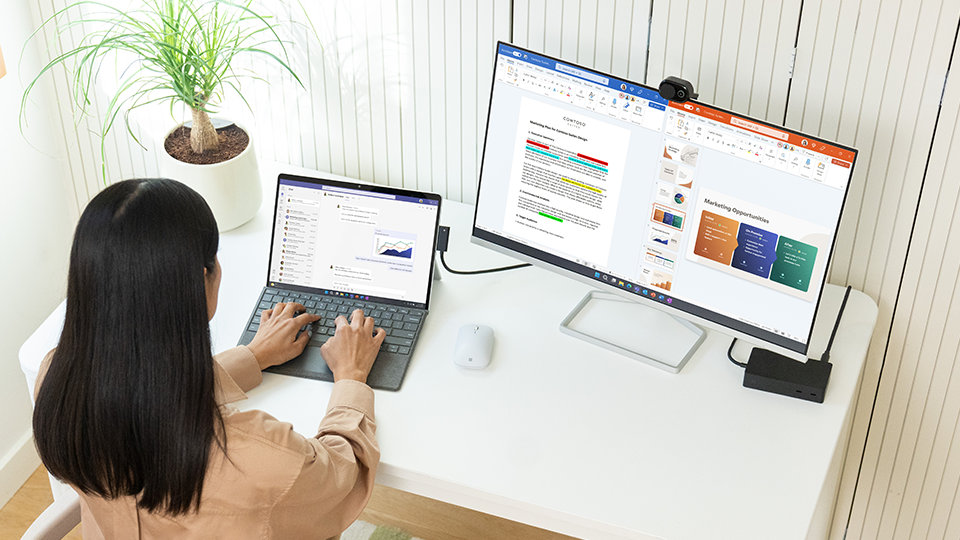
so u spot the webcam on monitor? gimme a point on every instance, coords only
(677, 89)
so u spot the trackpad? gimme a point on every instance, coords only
(313, 361)
(309, 364)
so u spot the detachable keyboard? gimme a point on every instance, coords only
(401, 324)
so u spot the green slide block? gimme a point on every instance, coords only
(794, 264)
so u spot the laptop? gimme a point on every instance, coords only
(338, 246)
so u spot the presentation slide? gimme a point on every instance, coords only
(670, 217)
(758, 244)
(681, 151)
(565, 180)
(667, 237)
(656, 278)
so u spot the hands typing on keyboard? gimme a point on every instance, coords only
(334, 325)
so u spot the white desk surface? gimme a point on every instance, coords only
(559, 433)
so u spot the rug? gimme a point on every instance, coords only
(361, 530)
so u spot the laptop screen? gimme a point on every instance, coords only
(355, 240)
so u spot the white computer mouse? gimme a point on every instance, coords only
(474, 346)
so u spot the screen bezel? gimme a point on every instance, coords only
(374, 188)
(718, 321)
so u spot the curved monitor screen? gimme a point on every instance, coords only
(715, 214)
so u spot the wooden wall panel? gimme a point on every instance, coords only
(608, 35)
(870, 74)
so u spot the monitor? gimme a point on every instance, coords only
(708, 214)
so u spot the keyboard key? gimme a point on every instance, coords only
(266, 298)
(404, 333)
(385, 324)
(412, 318)
(392, 309)
(329, 323)
(253, 327)
(404, 350)
(265, 305)
(337, 300)
(268, 290)
(376, 314)
(393, 340)
(404, 310)
(310, 304)
(410, 326)
(392, 348)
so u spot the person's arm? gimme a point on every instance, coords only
(339, 467)
(340, 462)
(241, 365)
(275, 343)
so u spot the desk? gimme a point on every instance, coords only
(564, 435)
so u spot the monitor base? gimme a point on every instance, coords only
(634, 330)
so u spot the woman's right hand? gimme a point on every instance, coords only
(353, 348)
(277, 341)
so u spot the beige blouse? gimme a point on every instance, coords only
(276, 483)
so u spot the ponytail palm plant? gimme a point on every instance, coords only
(176, 51)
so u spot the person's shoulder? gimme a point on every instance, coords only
(262, 430)
(42, 372)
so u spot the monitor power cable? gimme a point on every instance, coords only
(730, 355)
(825, 357)
(443, 239)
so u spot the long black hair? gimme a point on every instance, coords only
(127, 406)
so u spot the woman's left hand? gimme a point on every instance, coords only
(276, 340)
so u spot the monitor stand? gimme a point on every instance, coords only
(632, 329)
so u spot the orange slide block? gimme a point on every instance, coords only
(716, 238)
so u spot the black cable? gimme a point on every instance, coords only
(475, 272)
(730, 354)
(825, 357)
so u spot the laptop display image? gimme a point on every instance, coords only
(338, 246)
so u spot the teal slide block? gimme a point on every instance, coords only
(794, 264)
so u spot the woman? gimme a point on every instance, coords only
(133, 411)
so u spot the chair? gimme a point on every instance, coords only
(57, 520)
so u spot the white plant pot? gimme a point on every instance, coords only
(231, 188)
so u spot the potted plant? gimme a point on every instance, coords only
(176, 51)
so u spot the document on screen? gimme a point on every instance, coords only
(565, 180)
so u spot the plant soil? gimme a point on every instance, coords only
(233, 140)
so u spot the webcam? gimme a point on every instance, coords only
(677, 89)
